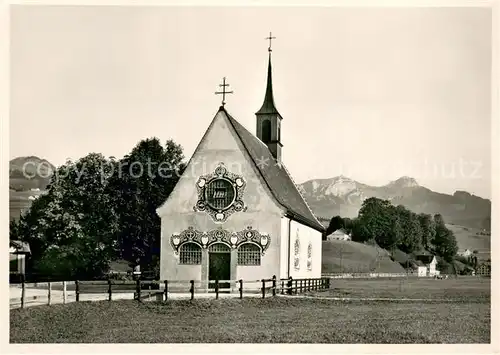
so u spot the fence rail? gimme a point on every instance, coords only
(70, 291)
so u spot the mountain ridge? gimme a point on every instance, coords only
(29, 177)
(344, 196)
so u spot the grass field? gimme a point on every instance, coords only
(273, 320)
(462, 289)
(348, 256)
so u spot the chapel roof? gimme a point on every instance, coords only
(276, 176)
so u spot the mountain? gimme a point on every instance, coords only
(28, 178)
(343, 196)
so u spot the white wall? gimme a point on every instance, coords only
(284, 257)
(305, 236)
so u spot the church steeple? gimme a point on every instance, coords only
(268, 117)
(268, 107)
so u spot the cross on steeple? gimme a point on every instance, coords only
(270, 38)
(223, 92)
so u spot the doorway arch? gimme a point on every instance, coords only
(219, 265)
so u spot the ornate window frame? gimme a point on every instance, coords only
(296, 249)
(237, 205)
(309, 256)
(219, 235)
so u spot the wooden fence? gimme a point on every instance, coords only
(69, 291)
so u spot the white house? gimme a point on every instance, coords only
(339, 234)
(465, 253)
(17, 256)
(426, 265)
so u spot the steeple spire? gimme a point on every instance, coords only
(268, 117)
(268, 105)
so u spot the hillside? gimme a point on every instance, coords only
(351, 257)
(343, 196)
(28, 178)
(472, 239)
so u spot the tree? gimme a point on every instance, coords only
(144, 180)
(444, 241)
(335, 223)
(428, 227)
(348, 224)
(71, 228)
(375, 221)
(411, 239)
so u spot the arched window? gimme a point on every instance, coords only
(266, 131)
(190, 254)
(248, 254)
(219, 248)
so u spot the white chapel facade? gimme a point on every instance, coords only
(236, 213)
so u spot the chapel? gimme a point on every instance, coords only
(236, 212)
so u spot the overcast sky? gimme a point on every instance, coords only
(373, 94)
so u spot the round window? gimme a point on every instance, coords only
(220, 194)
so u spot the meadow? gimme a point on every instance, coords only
(454, 312)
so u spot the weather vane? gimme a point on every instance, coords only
(270, 38)
(223, 92)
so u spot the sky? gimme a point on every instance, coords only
(369, 93)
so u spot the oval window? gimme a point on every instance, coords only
(220, 194)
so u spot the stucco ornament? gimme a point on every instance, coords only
(220, 194)
(220, 235)
(296, 249)
(309, 256)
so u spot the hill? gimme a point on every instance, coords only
(28, 178)
(472, 239)
(352, 257)
(343, 196)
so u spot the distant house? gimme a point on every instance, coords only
(484, 269)
(428, 262)
(465, 253)
(339, 234)
(17, 255)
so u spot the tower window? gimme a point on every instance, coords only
(266, 131)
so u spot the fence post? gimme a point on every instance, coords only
(77, 290)
(64, 292)
(166, 289)
(23, 290)
(263, 288)
(296, 286)
(109, 289)
(191, 289)
(328, 283)
(289, 285)
(216, 289)
(274, 285)
(241, 289)
(49, 286)
(282, 287)
(138, 289)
